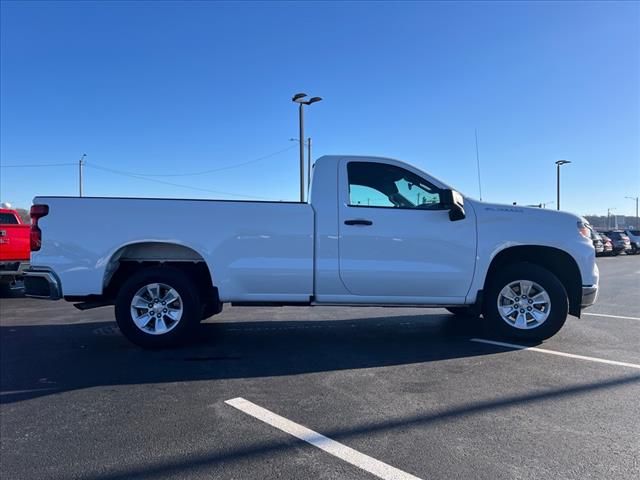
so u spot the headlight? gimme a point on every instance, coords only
(584, 230)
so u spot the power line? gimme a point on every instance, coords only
(163, 182)
(150, 177)
(38, 165)
(204, 172)
(193, 174)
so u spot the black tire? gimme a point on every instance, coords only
(189, 298)
(559, 302)
(470, 311)
(5, 289)
(209, 309)
(11, 288)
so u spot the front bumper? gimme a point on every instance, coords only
(589, 295)
(42, 283)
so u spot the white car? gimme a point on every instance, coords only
(376, 231)
(634, 238)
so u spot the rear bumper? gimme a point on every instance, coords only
(42, 283)
(13, 268)
(589, 295)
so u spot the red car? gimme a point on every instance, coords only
(15, 248)
(607, 245)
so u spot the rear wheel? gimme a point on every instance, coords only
(5, 288)
(158, 307)
(526, 301)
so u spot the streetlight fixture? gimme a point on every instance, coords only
(559, 163)
(300, 99)
(636, 199)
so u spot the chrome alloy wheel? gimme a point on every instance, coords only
(156, 308)
(524, 304)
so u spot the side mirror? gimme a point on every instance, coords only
(454, 202)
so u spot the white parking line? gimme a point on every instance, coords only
(554, 352)
(611, 316)
(337, 449)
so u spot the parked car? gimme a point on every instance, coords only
(607, 244)
(634, 238)
(14, 247)
(598, 244)
(620, 241)
(375, 231)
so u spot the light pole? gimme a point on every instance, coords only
(636, 199)
(299, 98)
(559, 163)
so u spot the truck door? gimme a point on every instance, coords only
(396, 239)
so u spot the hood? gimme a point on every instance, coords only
(537, 224)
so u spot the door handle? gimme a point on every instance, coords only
(358, 222)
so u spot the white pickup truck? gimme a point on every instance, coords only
(376, 231)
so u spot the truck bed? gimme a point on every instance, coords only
(255, 251)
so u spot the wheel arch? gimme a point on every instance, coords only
(134, 256)
(557, 261)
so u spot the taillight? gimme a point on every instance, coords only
(584, 230)
(37, 212)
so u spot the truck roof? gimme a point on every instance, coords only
(335, 158)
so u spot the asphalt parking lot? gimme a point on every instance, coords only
(407, 393)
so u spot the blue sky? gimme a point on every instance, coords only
(168, 88)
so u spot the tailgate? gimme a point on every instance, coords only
(14, 242)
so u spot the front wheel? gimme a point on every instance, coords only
(527, 302)
(158, 307)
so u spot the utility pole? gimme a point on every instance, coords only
(609, 217)
(80, 165)
(636, 199)
(478, 164)
(308, 145)
(559, 163)
(299, 98)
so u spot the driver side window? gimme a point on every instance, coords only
(383, 185)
